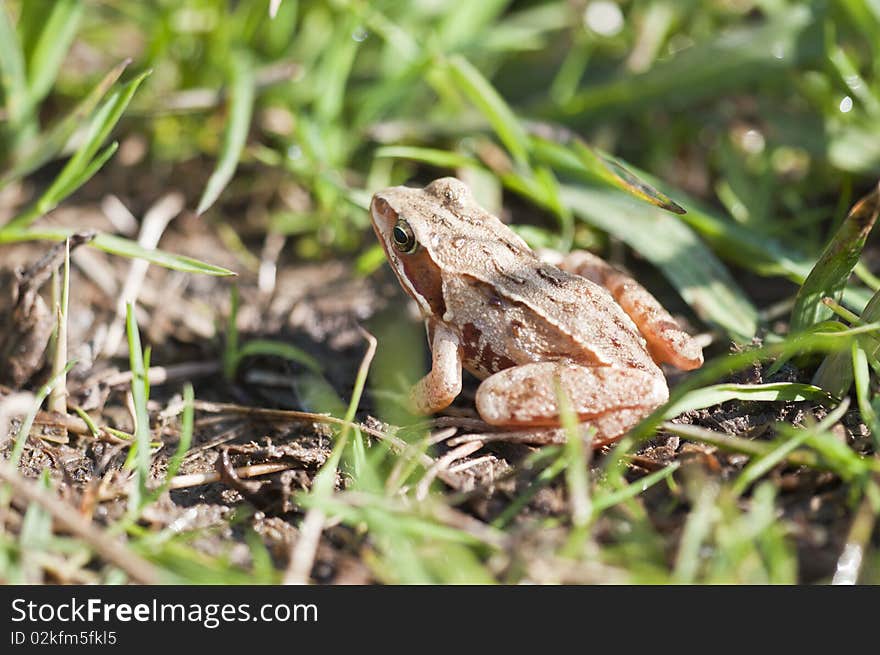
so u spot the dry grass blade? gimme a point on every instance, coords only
(442, 464)
(622, 178)
(155, 221)
(198, 479)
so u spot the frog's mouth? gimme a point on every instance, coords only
(417, 273)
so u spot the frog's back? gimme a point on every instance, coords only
(532, 311)
(599, 329)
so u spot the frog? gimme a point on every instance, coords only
(533, 331)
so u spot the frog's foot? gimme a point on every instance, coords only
(667, 342)
(610, 399)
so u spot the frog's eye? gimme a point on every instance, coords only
(404, 239)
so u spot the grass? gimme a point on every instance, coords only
(757, 119)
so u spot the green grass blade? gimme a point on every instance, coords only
(736, 58)
(12, 71)
(731, 240)
(49, 27)
(242, 93)
(139, 491)
(120, 246)
(36, 527)
(278, 349)
(761, 466)
(576, 474)
(861, 376)
(701, 279)
(50, 142)
(432, 156)
(697, 528)
(465, 20)
(835, 374)
(86, 161)
(101, 125)
(83, 175)
(607, 500)
(490, 103)
(186, 433)
(721, 393)
(832, 270)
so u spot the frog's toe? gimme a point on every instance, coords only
(669, 344)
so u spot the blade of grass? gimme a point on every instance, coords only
(281, 349)
(861, 376)
(613, 173)
(36, 526)
(490, 103)
(120, 246)
(701, 279)
(186, 433)
(602, 502)
(50, 141)
(12, 71)
(85, 161)
(730, 60)
(58, 396)
(242, 93)
(139, 491)
(576, 474)
(49, 29)
(835, 374)
(303, 554)
(545, 477)
(759, 467)
(720, 393)
(696, 529)
(831, 272)
(231, 341)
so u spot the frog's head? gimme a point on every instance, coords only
(412, 224)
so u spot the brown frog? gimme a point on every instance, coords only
(526, 327)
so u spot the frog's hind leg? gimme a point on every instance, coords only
(667, 342)
(610, 399)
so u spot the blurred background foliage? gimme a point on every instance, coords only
(766, 110)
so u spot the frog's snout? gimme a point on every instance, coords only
(382, 213)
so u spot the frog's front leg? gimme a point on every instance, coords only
(442, 384)
(667, 342)
(611, 399)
